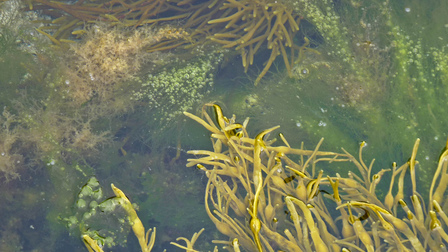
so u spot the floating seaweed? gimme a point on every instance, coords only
(250, 201)
(251, 23)
(246, 25)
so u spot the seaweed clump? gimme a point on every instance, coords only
(268, 197)
(248, 26)
(106, 58)
(58, 136)
(10, 160)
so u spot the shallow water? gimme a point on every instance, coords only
(381, 78)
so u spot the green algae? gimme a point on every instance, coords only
(381, 77)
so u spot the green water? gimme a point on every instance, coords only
(381, 76)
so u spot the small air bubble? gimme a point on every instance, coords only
(322, 124)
